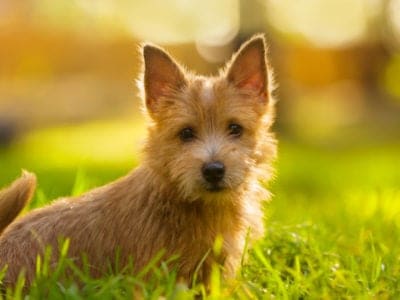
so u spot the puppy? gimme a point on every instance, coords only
(208, 145)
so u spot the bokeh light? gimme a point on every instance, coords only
(327, 23)
(394, 21)
(67, 62)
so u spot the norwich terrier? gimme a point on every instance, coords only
(208, 145)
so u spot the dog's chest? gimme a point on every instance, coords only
(200, 230)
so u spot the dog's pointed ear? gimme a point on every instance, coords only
(162, 76)
(248, 67)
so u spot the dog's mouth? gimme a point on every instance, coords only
(214, 188)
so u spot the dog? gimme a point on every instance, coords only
(209, 144)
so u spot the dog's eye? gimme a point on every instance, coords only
(187, 134)
(235, 130)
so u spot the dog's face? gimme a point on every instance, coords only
(208, 135)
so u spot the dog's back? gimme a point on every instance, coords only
(14, 198)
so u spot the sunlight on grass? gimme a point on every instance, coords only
(100, 150)
(385, 205)
(101, 142)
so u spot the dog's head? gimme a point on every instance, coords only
(209, 135)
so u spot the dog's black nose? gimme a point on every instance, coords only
(213, 172)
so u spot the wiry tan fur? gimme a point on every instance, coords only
(165, 203)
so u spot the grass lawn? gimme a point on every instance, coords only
(333, 227)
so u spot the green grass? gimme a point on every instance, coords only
(333, 227)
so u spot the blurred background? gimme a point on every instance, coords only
(69, 103)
